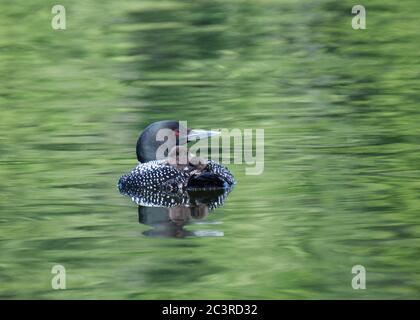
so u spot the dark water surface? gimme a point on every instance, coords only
(340, 110)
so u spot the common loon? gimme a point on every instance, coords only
(168, 173)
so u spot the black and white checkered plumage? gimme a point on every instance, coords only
(152, 198)
(158, 175)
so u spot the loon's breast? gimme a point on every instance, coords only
(159, 175)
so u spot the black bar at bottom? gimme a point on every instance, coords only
(210, 309)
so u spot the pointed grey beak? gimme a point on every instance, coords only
(194, 135)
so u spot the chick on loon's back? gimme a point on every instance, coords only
(159, 175)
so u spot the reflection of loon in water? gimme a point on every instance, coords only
(168, 213)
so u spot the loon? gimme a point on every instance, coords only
(167, 173)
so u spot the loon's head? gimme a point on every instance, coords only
(156, 134)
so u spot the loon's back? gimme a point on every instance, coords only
(160, 176)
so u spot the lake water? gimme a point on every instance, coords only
(339, 108)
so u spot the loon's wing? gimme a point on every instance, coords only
(221, 171)
(154, 175)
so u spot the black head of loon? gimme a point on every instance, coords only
(149, 140)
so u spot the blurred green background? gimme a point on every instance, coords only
(340, 110)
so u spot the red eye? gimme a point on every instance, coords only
(176, 132)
